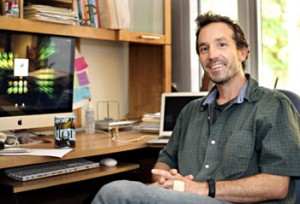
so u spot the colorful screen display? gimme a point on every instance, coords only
(36, 73)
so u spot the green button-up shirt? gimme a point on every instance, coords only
(257, 133)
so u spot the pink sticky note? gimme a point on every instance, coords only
(83, 78)
(80, 63)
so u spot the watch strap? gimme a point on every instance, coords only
(211, 188)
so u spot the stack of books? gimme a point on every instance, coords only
(106, 14)
(50, 13)
(150, 123)
(107, 125)
(88, 13)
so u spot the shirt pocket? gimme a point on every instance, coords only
(237, 153)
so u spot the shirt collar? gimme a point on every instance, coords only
(213, 94)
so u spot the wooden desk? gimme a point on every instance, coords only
(87, 145)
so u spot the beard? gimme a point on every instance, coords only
(223, 79)
(230, 71)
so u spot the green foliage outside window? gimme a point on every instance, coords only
(275, 37)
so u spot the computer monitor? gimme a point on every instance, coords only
(171, 105)
(36, 79)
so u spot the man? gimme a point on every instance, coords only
(240, 144)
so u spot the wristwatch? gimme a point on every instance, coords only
(211, 188)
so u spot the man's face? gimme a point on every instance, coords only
(218, 53)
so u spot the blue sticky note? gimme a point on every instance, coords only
(85, 92)
(77, 96)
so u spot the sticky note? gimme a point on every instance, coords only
(83, 78)
(85, 92)
(75, 84)
(77, 96)
(80, 63)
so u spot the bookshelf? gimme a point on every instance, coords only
(149, 55)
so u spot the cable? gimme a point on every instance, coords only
(37, 134)
(132, 140)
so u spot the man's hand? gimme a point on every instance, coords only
(167, 178)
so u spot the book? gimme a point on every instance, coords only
(102, 124)
(150, 122)
(84, 12)
(151, 118)
(92, 13)
(48, 9)
(50, 14)
(98, 13)
(52, 19)
(80, 13)
(114, 14)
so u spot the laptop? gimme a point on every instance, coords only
(171, 106)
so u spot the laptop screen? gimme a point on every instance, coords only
(171, 106)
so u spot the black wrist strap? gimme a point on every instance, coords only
(211, 188)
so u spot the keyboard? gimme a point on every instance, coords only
(37, 171)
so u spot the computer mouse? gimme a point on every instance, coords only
(108, 162)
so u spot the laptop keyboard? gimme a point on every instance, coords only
(49, 169)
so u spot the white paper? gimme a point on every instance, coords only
(36, 152)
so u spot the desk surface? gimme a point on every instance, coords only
(87, 145)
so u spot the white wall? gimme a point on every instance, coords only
(107, 71)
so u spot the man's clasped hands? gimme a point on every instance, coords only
(173, 180)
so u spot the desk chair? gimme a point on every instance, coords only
(296, 101)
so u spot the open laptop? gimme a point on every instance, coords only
(171, 106)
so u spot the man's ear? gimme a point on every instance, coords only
(243, 53)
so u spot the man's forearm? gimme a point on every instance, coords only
(256, 188)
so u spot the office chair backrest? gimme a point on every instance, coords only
(293, 97)
(296, 101)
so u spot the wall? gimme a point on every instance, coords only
(108, 71)
(186, 73)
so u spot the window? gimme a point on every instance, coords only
(226, 8)
(279, 38)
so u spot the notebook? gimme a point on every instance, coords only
(171, 106)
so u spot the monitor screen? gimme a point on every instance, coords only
(171, 106)
(36, 79)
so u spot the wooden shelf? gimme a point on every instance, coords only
(35, 26)
(25, 25)
(22, 186)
